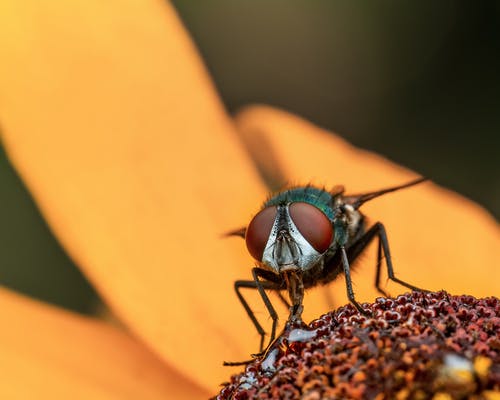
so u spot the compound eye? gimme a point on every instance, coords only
(259, 230)
(313, 224)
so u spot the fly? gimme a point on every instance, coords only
(306, 236)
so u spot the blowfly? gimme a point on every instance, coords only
(306, 236)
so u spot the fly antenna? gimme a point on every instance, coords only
(237, 232)
(358, 200)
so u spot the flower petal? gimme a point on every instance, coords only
(50, 353)
(111, 120)
(438, 239)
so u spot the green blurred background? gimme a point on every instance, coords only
(416, 81)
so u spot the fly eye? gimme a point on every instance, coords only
(259, 230)
(313, 224)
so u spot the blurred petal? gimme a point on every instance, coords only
(50, 353)
(438, 239)
(111, 120)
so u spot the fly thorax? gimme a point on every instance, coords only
(286, 248)
(353, 218)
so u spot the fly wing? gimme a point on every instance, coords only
(356, 200)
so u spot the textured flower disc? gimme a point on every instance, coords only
(415, 346)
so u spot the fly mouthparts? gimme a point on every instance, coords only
(288, 267)
(358, 200)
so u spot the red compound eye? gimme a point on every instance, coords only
(258, 232)
(313, 225)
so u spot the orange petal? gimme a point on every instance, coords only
(438, 239)
(50, 353)
(111, 120)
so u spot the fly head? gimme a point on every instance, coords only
(289, 236)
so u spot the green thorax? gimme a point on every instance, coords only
(319, 198)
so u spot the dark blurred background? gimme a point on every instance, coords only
(417, 81)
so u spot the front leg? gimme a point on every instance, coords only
(256, 273)
(261, 286)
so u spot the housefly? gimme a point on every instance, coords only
(306, 236)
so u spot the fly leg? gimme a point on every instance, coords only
(378, 230)
(383, 247)
(261, 286)
(379, 268)
(349, 255)
(348, 281)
